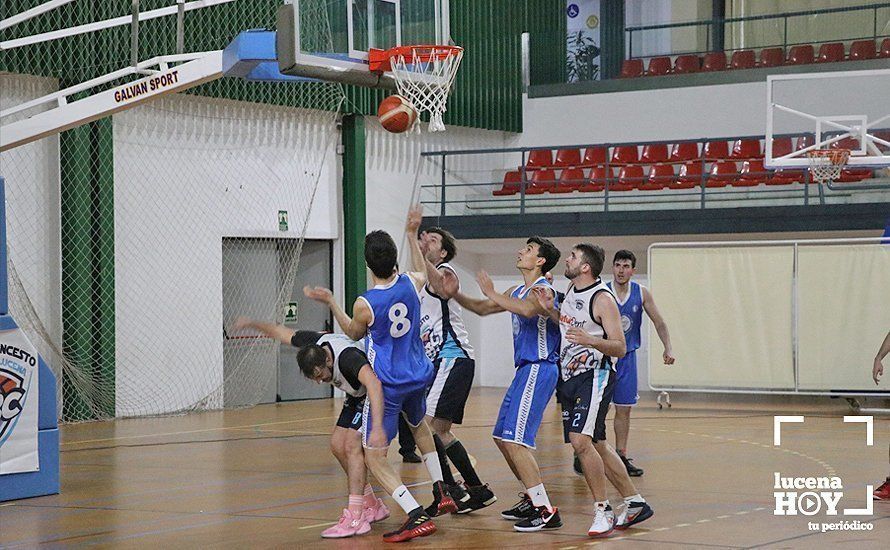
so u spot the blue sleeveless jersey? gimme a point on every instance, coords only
(631, 315)
(393, 343)
(536, 339)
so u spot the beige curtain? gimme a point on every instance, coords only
(729, 311)
(844, 314)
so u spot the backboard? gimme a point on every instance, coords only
(846, 109)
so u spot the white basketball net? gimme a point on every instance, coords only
(424, 77)
(826, 164)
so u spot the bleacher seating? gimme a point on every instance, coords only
(654, 166)
(799, 54)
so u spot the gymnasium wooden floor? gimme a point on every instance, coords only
(264, 477)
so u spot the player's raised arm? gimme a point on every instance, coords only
(529, 306)
(272, 330)
(605, 312)
(660, 325)
(422, 269)
(878, 369)
(547, 300)
(356, 326)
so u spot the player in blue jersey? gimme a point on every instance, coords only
(633, 300)
(535, 352)
(388, 317)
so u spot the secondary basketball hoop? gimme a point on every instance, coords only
(826, 164)
(424, 75)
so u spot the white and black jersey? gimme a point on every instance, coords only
(577, 311)
(442, 328)
(349, 358)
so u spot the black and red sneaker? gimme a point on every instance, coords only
(442, 501)
(418, 524)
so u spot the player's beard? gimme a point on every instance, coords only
(571, 274)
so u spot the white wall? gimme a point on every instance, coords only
(33, 219)
(646, 115)
(189, 171)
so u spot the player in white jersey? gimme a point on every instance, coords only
(590, 327)
(336, 360)
(877, 370)
(447, 344)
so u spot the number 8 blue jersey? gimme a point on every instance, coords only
(393, 344)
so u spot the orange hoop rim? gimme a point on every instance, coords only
(834, 156)
(381, 60)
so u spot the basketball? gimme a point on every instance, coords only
(396, 114)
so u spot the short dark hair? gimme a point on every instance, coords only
(448, 244)
(311, 357)
(592, 255)
(546, 250)
(380, 253)
(625, 255)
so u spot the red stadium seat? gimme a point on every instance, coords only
(848, 142)
(772, 57)
(885, 48)
(805, 141)
(631, 68)
(689, 177)
(863, 49)
(629, 178)
(687, 150)
(830, 53)
(746, 149)
(596, 181)
(625, 154)
(716, 150)
(653, 153)
(567, 158)
(885, 135)
(784, 176)
(541, 181)
(714, 61)
(539, 158)
(850, 175)
(570, 180)
(659, 66)
(685, 64)
(753, 173)
(512, 179)
(722, 173)
(595, 156)
(743, 59)
(801, 55)
(660, 176)
(782, 146)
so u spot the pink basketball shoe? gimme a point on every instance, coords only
(377, 512)
(348, 526)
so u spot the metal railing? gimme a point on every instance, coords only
(703, 196)
(715, 29)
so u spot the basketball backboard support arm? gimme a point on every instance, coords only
(832, 107)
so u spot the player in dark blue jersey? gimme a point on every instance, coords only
(633, 300)
(388, 317)
(536, 352)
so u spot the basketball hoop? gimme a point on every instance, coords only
(424, 76)
(826, 164)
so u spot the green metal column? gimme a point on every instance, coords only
(354, 216)
(76, 265)
(612, 37)
(103, 261)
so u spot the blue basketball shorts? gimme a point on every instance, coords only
(410, 402)
(524, 403)
(626, 380)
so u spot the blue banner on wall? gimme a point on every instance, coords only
(582, 40)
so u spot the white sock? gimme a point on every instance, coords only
(539, 497)
(432, 464)
(601, 504)
(404, 499)
(634, 498)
